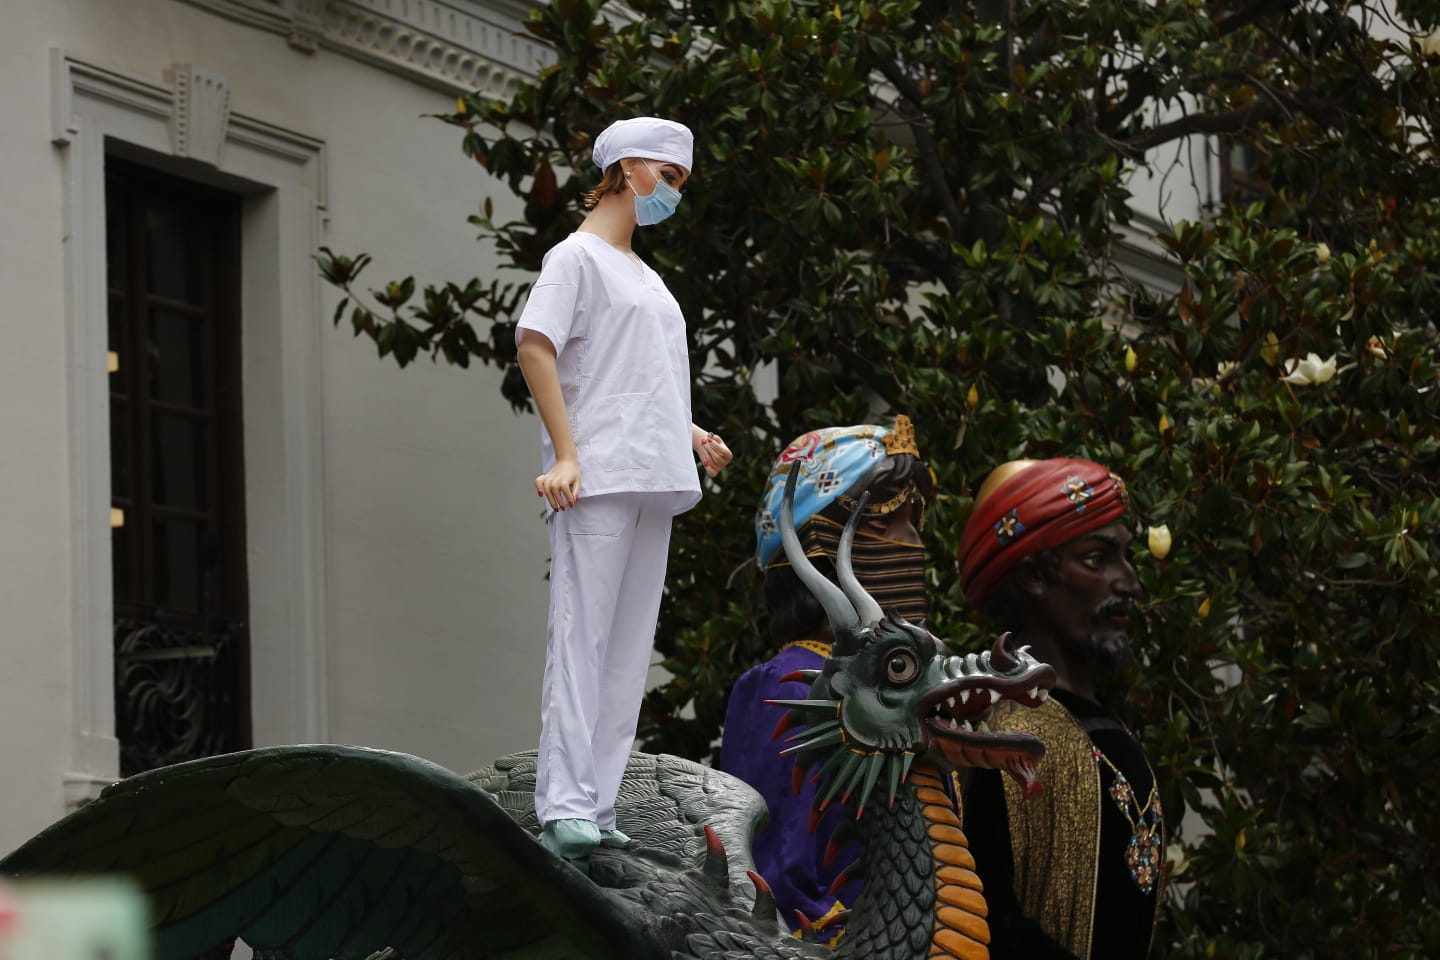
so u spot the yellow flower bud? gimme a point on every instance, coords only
(1270, 351)
(1164, 423)
(1130, 359)
(1322, 253)
(972, 398)
(460, 105)
(1240, 840)
(1204, 612)
(1159, 541)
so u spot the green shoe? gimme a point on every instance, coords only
(614, 838)
(570, 839)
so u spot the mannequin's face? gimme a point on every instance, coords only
(1087, 603)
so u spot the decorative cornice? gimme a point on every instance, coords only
(454, 45)
(73, 77)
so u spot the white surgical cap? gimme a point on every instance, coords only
(649, 138)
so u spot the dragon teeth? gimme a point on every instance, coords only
(954, 725)
(994, 695)
(1033, 692)
(964, 697)
(1044, 695)
(983, 727)
(950, 703)
(967, 726)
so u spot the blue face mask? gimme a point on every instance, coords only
(658, 204)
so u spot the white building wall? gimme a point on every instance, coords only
(423, 618)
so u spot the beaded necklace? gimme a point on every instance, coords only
(1142, 853)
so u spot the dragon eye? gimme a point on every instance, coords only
(902, 666)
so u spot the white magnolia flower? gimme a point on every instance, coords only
(1159, 541)
(1309, 371)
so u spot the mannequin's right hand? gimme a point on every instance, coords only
(560, 485)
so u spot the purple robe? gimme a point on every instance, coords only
(787, 854)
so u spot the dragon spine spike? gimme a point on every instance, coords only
(832, 850)
(763, 913)
(866, 608)
(797, 779)
(829, 765)
(828, 706)
(801, 676)
(843, 618)
(788, 719)
(872, 773)
(827, 739)
(841, 878)
(849, 764)
(807, 926)
(814, 731)
(894, 775)
(717, 862)
(838, 918)
(1000, 657)
(854, 775)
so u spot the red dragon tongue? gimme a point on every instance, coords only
(1029, 780)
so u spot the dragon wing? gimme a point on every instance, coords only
(664, 805)
(689, 867)
(336, 852)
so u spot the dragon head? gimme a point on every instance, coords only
(891, 691)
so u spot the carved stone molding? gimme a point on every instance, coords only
(201, 113)
(307, 24)
(455, 45)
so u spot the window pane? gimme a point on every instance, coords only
(114, 242)
(177, 358)
(177, 565)
(120, 449)
(178, 474)
(178, 264)
(121, 547)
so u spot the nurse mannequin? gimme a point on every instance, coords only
(602, 346)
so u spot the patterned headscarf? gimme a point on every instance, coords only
(1026, 507)
(830, 462)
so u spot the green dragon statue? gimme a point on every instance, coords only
(344, 853)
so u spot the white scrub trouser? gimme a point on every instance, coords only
(607, 571)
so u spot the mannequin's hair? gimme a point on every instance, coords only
(613, 181)
(794, 611)
(1008, 607)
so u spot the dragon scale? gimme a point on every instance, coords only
(922, 898)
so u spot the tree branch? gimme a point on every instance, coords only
(925, 146)
(1144, 87)
(1227, 121)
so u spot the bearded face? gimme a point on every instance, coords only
(1086, 600)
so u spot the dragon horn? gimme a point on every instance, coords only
(843, 618)
(865, 606)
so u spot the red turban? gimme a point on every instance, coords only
(1027, 507)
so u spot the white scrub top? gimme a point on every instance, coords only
(624, 368)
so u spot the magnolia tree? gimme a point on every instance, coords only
(910, 207)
